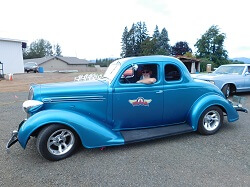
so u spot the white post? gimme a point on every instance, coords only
(193, 70)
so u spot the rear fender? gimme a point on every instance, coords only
(92, 133)
(210, 100)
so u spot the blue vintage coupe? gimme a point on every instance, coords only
(119, 109)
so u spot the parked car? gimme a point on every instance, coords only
(117, 110)
(31, 66)
(231, 78)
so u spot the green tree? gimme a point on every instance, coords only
(210, 46)
(41, 48)
(164, 47)
(141, 34)
(156, 41)
(137, 42)
(131, 50)
(203, 64)
(105, 62)
(180, 48)
(149, 47)
(235, 62)
(125, 42)
(57, 50)
(156, 34)
(133, 39)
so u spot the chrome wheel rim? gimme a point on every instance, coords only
(61, 142)
(211, 120)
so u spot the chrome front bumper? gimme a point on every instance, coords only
(14, 137)
(239, 100)
(12, 140)
(240, 109)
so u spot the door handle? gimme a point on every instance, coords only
(160, 91)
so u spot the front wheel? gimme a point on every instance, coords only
(226, 90)
(56, 142)
(210, 120)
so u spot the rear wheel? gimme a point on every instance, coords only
(56, 142)
(210, 120)
(226, 90)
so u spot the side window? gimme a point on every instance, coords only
(146, 73)
(128, 76)
(172, 73)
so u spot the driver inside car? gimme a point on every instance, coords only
(146, 76)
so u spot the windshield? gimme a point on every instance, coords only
(112, 70)
(237, 70)
(29, 64)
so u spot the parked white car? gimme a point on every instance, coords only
(230, 78)
(31, 66)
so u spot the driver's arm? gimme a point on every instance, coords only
(147, 81)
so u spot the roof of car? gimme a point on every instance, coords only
(235, 65)
(30, 63)
(152, 58)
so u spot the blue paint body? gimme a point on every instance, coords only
(99, 110)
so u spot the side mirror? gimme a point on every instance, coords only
(135, 67)
(247, 73)
(128, 73)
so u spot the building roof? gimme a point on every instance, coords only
(68, 60)
(187, 59)
(24, 43)
(11, 40)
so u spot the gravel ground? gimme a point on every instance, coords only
(22, 81)
(191, 159)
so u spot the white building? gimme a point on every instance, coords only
(11, 55)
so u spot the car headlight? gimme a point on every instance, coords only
(32, 105)
(211, 81)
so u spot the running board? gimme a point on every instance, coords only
(131, 136)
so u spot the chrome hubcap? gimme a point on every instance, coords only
(60, 142)
(211, 120)
(228, 91)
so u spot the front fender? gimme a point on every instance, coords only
(92, 133)
(210, 100)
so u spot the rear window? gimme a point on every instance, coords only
(172, 73)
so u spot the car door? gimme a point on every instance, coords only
(179, 95)
(137, 105)
(247, 79)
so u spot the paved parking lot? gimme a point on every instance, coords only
(191, 159)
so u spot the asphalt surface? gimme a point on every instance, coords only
(190, 159)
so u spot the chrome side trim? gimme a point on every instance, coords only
(74, 99)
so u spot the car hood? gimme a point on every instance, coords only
(209, 76)
(70, 89)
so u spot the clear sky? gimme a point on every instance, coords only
(93, 29)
